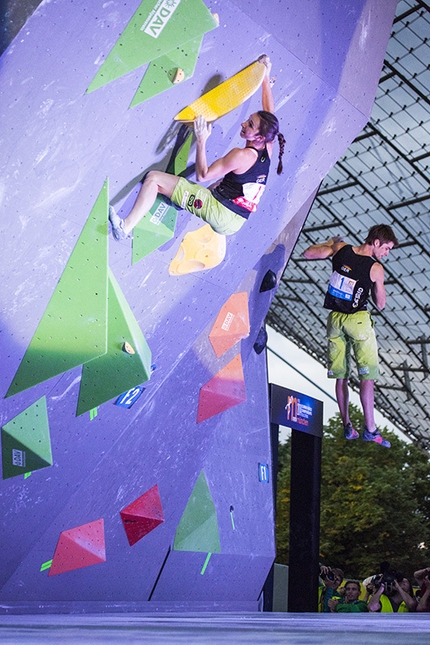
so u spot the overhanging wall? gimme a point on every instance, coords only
(62, 148)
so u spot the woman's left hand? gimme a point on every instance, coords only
(267, 62)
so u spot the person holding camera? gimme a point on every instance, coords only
(422, 576)
(391, 592)
(331, 579)
(349, 602)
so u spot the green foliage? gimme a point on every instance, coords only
(375, 503)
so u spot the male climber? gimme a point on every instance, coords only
(357, 273)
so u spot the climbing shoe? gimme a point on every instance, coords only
(349, 432)
(376, 437)
(117, 225)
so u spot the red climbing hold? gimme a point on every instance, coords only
(143, 515)
(79, 547)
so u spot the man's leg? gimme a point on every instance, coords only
(338, 352)
(366, 356)
(367, 398)
(342, 396)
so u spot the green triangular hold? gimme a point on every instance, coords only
(158, 226)
(198, 527)
(181, 160)
(26, 444)
(73, 328)
(154, 229)
(155, 30)
(116, 371)
(161, 72)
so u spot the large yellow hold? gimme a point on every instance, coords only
(227, 96)
(200, 250)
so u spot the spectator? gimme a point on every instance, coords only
(392, 596)
(423, 578)
(350, 603)
(330, 581)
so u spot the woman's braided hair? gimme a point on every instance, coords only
(269, 129)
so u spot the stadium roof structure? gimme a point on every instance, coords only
(382, 178)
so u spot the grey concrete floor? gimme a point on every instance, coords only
(217, 628)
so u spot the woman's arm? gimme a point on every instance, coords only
(266, 88)
(410, 602)
(237, 160)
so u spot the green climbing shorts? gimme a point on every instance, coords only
(351, 331)
(199, 200)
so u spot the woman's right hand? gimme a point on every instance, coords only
(202, 128)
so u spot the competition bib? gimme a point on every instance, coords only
(341, 287)
(251, 195)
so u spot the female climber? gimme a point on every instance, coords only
(228, 203)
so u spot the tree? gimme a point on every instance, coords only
(375, 503)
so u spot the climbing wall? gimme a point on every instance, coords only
(136, 465)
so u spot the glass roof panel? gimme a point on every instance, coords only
(383, 177)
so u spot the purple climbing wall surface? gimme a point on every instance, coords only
(59, 146)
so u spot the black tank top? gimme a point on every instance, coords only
(241, 193)
(350, 283)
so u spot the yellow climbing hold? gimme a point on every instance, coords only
(200, 250)
(227, 96)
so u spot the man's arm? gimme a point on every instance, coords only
(421, 574)
(379, 295)
(324, 250)
(349, 608)
(425, 598)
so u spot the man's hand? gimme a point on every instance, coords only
(333, 603)
(202, 128)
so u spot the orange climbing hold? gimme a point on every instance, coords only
(224, 390)
(232, 323)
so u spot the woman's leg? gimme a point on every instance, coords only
(155, 182)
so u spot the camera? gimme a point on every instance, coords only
(387, 579)
(327, 576)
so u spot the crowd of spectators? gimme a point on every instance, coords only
(386, 591)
